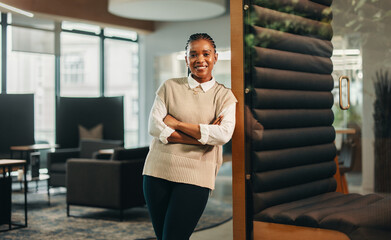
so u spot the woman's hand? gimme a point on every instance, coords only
(171, 122)
(218, 120)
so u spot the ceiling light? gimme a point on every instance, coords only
(167, 10)
(16, 10)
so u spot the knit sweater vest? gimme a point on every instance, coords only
(185, 163)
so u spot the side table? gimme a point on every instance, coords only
(27, 150)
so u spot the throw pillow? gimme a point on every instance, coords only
(92, 133)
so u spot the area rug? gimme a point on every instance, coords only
(51, 222)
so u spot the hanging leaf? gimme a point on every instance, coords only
(388, 13)
(351, 23)
(358, 27)
(360, 4)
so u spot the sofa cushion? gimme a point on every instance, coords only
(89, 146)
(58, 167)
(352, 214)
(313, 218)
(121, 154)
(92, 133)
(376, 215)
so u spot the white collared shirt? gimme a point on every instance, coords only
(210, 134)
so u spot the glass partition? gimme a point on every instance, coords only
(363, 53)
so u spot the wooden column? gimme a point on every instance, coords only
(238, 139)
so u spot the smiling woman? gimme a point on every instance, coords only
(192, 117)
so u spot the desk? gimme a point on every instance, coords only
(10, 163)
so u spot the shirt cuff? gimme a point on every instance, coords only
(204, 129)
(165, 134)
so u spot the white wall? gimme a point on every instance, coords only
(170, 37)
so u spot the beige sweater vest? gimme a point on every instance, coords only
(184, 163)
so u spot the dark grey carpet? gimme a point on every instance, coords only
(51, 222)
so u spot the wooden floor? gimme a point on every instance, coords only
(274, 231)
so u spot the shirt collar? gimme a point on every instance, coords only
(204, 86)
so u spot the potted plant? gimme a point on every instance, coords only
(382, 129)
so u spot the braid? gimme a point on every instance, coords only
(198, 36)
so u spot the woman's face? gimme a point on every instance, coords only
(200, 58)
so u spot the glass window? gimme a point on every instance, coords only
(79, 65)
(33, 73)
(113, 32)
(20, 20)
(121, 60)
(1, 83)
(32, 40)
(80, 27)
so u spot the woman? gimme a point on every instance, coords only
(192, 117)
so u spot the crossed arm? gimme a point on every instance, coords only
(169, 130)
(187, 133)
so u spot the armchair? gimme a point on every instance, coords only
(88, 148)
(113, 184)
(16, 122)
(73, 113)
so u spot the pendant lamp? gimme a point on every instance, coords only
(167, 10)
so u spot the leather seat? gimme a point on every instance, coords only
(348, 213)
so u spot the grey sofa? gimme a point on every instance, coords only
(114, 184)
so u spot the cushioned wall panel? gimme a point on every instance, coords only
(271, 58)
(290, 99)
(324, 2)
(287, 177)
(285, 158)
(297, 118)
(303, 8)
(285, 22)
(295, 137)
(291, 80)
(273, 39)
(267, 199)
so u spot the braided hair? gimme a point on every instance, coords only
(198, 36)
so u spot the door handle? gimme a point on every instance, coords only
(341, 105)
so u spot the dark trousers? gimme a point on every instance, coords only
(175, 208)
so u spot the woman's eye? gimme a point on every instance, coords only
(206, 54)
(192, 55)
